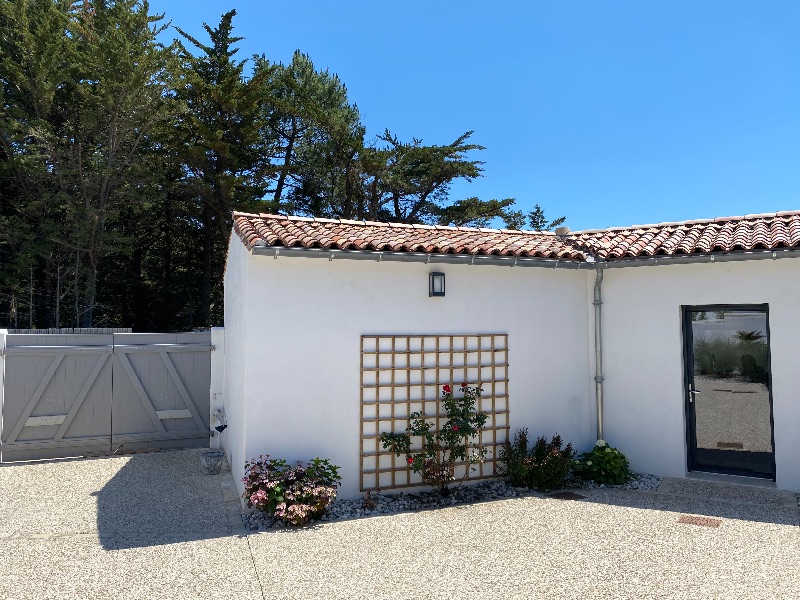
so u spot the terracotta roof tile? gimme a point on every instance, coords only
(342, 234)
(725, 234)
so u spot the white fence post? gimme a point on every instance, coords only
(3, 333)
(217, 380)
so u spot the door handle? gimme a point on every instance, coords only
(692, 394)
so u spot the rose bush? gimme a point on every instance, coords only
(439, 452)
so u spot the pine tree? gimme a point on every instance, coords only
(83, 87)
(538, 221)
(408, 182)
(221, 150)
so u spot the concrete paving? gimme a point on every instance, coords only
(141, 526)
(152, 526)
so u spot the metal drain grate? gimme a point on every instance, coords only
(566, 496)
(730, 445)
(702, 521)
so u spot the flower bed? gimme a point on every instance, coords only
(388, 504)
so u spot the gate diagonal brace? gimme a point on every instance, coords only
(137, 385)
(98, 366)
(37, 395)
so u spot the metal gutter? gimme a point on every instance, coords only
(598, 348)
(421, 257)
(686, 259)
(519, 261)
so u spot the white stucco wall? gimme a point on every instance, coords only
(643, 360)
(235, 358)
(295, 326)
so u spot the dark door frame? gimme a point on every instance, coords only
(688, 369)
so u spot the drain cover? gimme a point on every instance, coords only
(703, 521)
(566, 496)
(730, 445)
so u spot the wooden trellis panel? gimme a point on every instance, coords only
(402, 374)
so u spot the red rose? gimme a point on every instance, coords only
(447, 389)
(463, 385)
(409, 460)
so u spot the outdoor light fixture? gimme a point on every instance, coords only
(436, 284)
(218, 420)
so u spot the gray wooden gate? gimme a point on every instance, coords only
(65, 395)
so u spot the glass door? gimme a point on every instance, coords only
(728, 401)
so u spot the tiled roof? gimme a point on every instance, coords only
(729, 234)
(335, 234)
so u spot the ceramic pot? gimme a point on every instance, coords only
(211, 461)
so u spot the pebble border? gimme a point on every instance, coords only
(390, 504)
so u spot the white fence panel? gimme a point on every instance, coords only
(161, 389)
(65, 395)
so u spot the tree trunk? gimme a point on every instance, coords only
(57, 323)
(141, 308)
(77, 291)
(208, 251)
(89, 292)
(30, 301)
(45, 311)
(167, 305)
(14, 312)
(347, 211)
(287, 161)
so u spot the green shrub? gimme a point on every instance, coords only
(543, 467)
(513, 457)
(548, 464)
(603, 464)
(295, 494)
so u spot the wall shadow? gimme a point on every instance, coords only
(165, 498)
(663, 501)
(753, 504)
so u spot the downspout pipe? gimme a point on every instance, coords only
(598, 347)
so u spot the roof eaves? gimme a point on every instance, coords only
(577, 262)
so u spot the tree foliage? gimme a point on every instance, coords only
(218, 147)
(122, 158)
(84, 88)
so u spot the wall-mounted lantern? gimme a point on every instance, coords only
(436, 284)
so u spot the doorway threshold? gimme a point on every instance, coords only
(732, 479)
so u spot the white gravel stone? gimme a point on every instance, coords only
(615, 544)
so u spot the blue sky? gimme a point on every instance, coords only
(611, 113)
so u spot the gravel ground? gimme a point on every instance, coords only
(159, 492)
(152, 526)
(154, 567)
(148, 526)
(615, 544)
